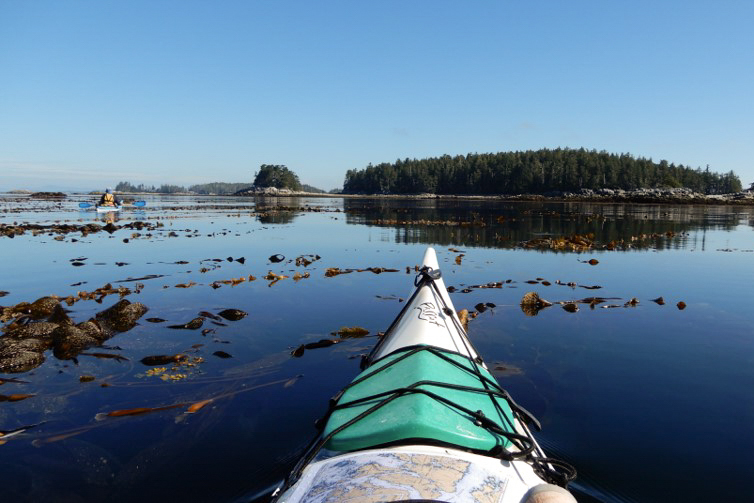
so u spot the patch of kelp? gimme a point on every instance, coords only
(44, 324)
(531, 303)
(586, 242)
(59, 229)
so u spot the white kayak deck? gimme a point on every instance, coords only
(417, 472)
(414, 472)
(425, 323)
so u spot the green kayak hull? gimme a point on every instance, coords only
(410, 414)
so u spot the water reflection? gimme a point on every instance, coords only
(586, 374)
(509, 225)
(110, 217)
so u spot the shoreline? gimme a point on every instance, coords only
(639, 196)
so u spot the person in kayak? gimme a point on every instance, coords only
(109, 199)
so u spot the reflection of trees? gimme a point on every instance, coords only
(507, 225)
(276, 216)
(276, 210)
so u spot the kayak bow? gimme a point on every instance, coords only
(137, 204)
(425, 420)
(108, 209)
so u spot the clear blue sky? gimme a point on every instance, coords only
(95, 92)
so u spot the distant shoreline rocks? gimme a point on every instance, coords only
(663, 195)
(275, 192)
(48, 195)
(659, 195)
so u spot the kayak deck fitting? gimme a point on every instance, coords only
(425, 420)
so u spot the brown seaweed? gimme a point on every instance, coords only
(233, 314)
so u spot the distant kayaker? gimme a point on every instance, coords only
(109, 199)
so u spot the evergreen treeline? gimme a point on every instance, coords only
(532, 172)
(310, 188)
(278, 176)
(162, 189)
(220, 188)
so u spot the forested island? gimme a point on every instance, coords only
(533, 172)
(222, 188)
(204, 188)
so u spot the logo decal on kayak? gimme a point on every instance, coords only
(428, 312)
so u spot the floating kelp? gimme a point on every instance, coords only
(196, 407)
(322, 343)
(111, 356)
(191, 325)
(62, 229)
(351, 332)
(181, 366)
(335, 271)
(274, 278)
(141, 278)
(571, 307)
(232, 281)
(23, 346)
(163, 359)
(297, 276)
(222, 354)
(443, 223)
(593, 261)
(377, 270)
(121, 317)
(390, 297)
(138, 411)
(305, 260)
(155, 320)
(659, 300)
(575, 242)
(483, 306)
(186, 285)
(233, 314)
(5, 435)
(4, 380)
(500, 369)
(531, 304)
(463, 316)
(14, 398)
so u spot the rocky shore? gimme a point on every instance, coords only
(665, 195)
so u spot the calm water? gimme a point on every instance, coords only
(650, 402)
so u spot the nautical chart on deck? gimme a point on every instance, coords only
(396, 476)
